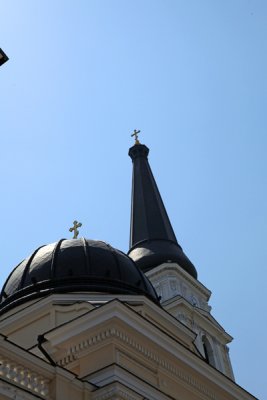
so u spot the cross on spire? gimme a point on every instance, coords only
(135, 134)
(74, 229)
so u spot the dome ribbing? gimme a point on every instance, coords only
(73, 266)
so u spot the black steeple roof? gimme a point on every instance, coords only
(152, 239)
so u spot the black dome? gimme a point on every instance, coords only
(73, 266)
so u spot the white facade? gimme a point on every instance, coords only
(187, 300)
(99, 347)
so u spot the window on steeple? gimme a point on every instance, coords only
(208, 351)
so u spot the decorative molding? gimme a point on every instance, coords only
(169, 285)
(75, 351)
(157, 271)
(180, 306)
(115, 394)
(174, 285)
(159, 289)
(185, 319)
(12, 392)
(116, 391)
(24, 377)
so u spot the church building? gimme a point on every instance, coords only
(82, 320)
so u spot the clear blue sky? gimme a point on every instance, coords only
(191, 75)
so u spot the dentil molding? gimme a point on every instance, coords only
(74, 352)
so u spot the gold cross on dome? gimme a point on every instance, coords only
(74, 229)
(135, 134)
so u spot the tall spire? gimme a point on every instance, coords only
(152, 239)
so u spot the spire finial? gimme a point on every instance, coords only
(135, 135)
(74, 229)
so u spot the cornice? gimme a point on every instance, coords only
(127, 315)
(116, 391)
(76, 351)
(34, 310)
(114, 373)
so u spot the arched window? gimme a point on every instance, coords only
(208, 351)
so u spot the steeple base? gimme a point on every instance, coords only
(151, 253)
